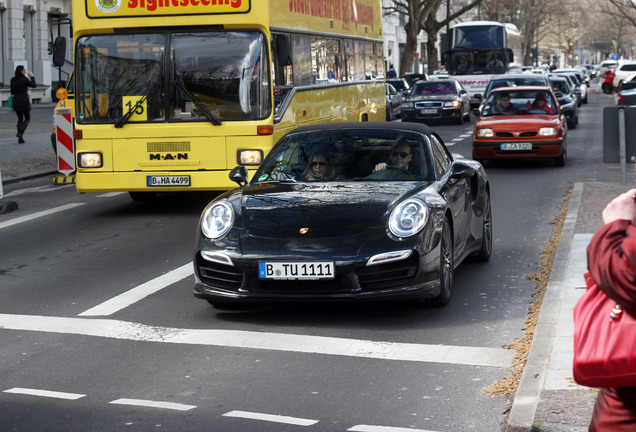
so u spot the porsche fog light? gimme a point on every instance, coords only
(217, 220)
(90, 160)
(408, 218)
(547, 131)
(485, 133)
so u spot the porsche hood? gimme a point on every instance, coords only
(287, 210)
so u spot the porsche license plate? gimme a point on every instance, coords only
(171, 180)
(516, 146)
(296, 270)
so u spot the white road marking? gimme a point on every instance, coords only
(134, 295)
(39, 215)
(153, 404)
(45, 393)
(271, 418)
(447, 354)
(369, 428)
(458, 139)
(110, 194)
(38, 189)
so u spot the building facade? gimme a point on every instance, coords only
(27, 31)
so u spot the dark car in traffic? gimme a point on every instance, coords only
(515, 80)
(437, 100)
(393, 102)
(567, 100)
(390, 215)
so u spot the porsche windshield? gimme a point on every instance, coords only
(172, 76)
(348, 155)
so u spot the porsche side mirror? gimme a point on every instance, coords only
(462, 170)
(239, 175)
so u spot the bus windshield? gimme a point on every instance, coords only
(469, 62)
(206, 76)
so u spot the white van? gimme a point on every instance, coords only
(624, 69)
(604, 65)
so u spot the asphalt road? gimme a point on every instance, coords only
(100, 331)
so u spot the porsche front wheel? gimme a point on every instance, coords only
(445, 268)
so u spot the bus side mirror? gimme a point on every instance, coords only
(511, 55)
(59, 51)
(283, 50)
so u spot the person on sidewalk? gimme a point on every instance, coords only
(21, 100)
(611, 260)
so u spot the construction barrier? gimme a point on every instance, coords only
(64, 141)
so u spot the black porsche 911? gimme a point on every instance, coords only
(345, 211)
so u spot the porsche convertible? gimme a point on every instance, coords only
(345, 211)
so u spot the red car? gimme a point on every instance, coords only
(521, 123)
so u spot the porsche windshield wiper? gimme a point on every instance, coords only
(124, 119)
(214, 119)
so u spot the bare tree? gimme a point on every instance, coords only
(432, 27)
(417, 12)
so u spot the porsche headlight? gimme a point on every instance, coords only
(217, 220)
(408, 218)
(485, 133)
(547, 131)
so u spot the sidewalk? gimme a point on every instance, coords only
(548, 399)
(33, 158)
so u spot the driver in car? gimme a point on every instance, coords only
(400, 156)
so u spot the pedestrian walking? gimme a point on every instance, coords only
(611, 258)
(21, 100)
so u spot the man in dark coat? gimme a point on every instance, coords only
(21, 100)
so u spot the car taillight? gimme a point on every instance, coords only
(620, 98)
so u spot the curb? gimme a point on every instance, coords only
(533, 378)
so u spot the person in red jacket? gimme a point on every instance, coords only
(611, 260)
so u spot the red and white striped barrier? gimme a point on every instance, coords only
(64, 141)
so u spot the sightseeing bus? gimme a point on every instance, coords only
(479, 50)
(170, 95)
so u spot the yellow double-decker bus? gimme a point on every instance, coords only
(170, 95)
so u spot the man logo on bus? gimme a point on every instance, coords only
(107, 6)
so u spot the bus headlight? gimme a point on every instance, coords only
(485, 133)
(249, 157)
(90, 160)
(547, 131)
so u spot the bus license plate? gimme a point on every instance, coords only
(296, 270)
(516, 146)
(172, 180)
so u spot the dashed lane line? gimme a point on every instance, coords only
(114, 329)
(153, 404)
(44, 393)
(39, 215)
(271, 418)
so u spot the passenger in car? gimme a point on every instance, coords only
(318, 168)
(540, 104)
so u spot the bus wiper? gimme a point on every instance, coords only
(214, 119)
(124, 119)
